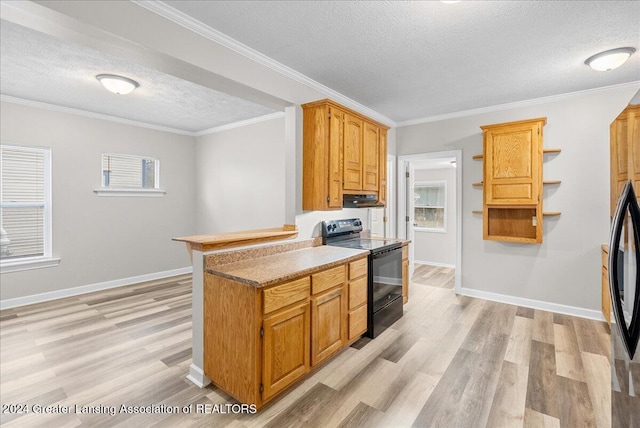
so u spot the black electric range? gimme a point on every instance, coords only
(384, 289)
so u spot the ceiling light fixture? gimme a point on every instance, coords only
(117, 84)
(608, 60)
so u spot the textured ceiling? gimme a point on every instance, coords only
(410, 60)
(41, 68)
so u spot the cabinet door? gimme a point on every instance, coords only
(328, 324)
(633, 137)
(286, 348)
(382, 168)
(513, 164)
(336, 138)
(619, 158)
(370, 157)
(405, 281)
(352, 157)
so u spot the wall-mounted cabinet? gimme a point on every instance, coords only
(512, 181)
(625, 157)
(343, 152)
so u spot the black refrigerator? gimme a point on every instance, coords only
(624, 269)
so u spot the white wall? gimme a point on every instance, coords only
(240, 178)
(103, 239)
(436, 247)
(565, 268)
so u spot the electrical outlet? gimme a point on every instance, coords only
(534, 221)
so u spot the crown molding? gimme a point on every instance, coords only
(239, 124)
(518, 104)
(93, 115)
(162, 9)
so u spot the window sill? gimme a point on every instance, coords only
(28, 264)
(149, 193)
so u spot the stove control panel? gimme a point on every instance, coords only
(340, 227)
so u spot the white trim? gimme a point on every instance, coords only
(150, 193)
(240, 123)
(198, 27)
(75, 291)
(517, 104)
(534, 304)
(402, 206)
(78, 112)
(197, 376)
(438, 264)
(28, 264)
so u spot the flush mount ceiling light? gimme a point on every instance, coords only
(117, 84)
(608, 60)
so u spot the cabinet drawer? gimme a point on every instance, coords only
(405, 252)
(357, 292)
(328, 279)
(357, 322)
(285, 294)
(358, 268)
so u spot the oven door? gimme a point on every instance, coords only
(385, 289)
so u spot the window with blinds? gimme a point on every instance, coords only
(430, 205)
(129, 172)
(24, 202)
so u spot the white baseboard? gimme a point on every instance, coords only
(75, 291)
(534, 304)
(197, 376)
(421, 262)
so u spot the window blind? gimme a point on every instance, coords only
(128, 172)
(23, 200)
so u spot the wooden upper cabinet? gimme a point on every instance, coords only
(353, 143)
(370, 157)
(625, 152)
(382, 167)
(343, 152)
(336, 126)
(513, 162)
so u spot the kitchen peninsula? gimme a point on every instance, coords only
(270, 314)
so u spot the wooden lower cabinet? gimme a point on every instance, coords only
(259, 341)
(286, 348)
(357, 299)
(328, 327)
(405, 274)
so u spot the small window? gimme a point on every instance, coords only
(126, 175)
(25, 204)
(430, 206)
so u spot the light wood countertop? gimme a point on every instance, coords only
(234, 239)
(268, 270)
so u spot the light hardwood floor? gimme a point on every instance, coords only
(449, 362)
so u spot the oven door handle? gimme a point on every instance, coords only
(383, 253)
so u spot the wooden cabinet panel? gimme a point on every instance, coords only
(358, 268)
(370, 156)
(286, 348)
(328, 327)
(285, 294)
(336, 123)
(405, 281)
(357, 292)
(382, 168)
(352, 157)
(328, 279)
(357, 322)
(513, 163)
(606, 296)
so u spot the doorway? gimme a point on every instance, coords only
(429, 209)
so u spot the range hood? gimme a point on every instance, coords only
(361, 201)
